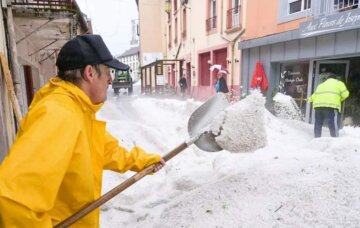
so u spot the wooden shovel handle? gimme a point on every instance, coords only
(115, 191)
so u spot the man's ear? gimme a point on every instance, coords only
(89, 73)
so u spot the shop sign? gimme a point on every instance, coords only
(337, 22)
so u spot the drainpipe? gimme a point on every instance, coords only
(232, 41)
(14, 61)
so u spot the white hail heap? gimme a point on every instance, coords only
(241, 126)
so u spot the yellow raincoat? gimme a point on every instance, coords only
(55, 166)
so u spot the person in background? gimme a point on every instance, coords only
(54, 168)
(220, 85)
(183, 86)
(326, 101)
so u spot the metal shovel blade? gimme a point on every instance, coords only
(201, 119)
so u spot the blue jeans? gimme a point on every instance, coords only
(333, 117)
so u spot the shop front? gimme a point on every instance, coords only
(294, 81)
(296, 63)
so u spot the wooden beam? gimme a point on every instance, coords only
(14, 58)
(10, 87)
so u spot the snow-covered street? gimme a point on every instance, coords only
(295, 181)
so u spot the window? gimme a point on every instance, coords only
(170, 37)
(235, 4)
(176, 31)
(293, 82)
(211, 21)
(298, 5)
(294, 9)
(169, 17)
(342, 5)
(184, 24)
(233, 15)
(212, 8)
(175, 6)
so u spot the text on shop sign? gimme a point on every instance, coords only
(332, 23)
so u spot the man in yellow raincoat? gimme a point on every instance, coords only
(55, 166)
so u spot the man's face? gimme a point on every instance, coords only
(100, 84)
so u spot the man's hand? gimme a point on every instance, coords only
(159, 165)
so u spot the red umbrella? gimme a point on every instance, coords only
(259, 78)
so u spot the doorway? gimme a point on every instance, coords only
(338, 67)
(29, 84)
(323, 68)
(352, 105)
(188, 77)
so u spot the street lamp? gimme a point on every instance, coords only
(168, 6)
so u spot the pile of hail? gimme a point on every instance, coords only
(241, 126)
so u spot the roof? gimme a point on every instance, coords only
(130, 52)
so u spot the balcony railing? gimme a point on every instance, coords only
(328, 7)
(233, 18)
(210, 24)
(44, 4)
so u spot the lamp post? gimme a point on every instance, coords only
(168, 6)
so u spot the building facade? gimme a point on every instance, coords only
(131, 58)
(35, 32)
(152, 41)
(298, 43)
(195, 35)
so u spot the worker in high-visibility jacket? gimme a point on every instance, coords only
(326, 101)
(55, 166)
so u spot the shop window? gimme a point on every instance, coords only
(294, 81)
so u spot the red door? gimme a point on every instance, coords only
(204, 72)
(219, 58)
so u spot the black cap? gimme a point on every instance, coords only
(85, 50)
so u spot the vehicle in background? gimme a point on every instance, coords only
(122, 80)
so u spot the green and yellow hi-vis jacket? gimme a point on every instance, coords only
(329, 94)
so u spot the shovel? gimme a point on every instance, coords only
(200, 135)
